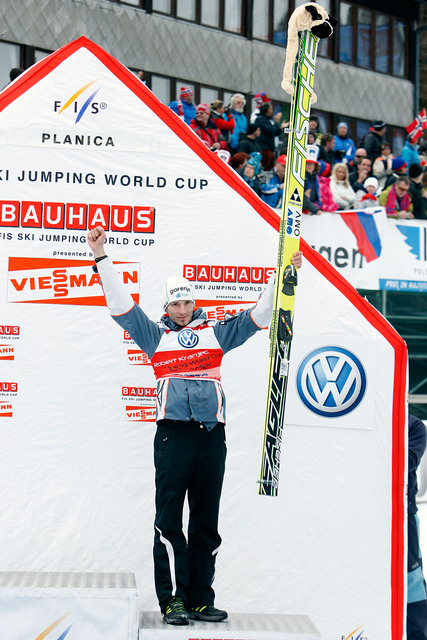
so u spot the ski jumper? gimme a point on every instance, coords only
(189, 444)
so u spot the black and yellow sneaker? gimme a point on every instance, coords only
(175, 612)
(207, 613)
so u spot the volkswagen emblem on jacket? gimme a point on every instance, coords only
(187, 338)
(331, 381)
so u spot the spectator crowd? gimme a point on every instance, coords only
(340, 175)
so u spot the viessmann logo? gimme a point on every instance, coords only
(58, 281)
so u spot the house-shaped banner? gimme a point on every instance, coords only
(84, 142)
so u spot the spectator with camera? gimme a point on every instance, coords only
(206, 128)
(223, 118)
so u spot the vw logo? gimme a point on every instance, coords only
(331, 381)
(187, 338)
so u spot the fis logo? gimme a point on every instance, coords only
(357, 634)
(82, 101)
(49, 631)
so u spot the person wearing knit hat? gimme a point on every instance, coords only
(399, 169)
(184, 106)
(344, 149)
(223, 118)
(373, 139)
(185, 351)
(259, 99)
(368, 196)
(249, 142)
(271, 183)
(415, 174)
(397, 199)
(206, 128)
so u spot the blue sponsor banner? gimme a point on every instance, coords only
(412, 286)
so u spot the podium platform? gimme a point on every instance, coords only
(95, 606)
(236, 627)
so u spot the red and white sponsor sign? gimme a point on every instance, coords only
(8, 331)
(138, 357)
(57, 281)
(6, 410)
(7, 352)
(138, 413)
(76, 216)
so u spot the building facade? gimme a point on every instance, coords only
(219, 47)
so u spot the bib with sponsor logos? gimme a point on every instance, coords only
(192, 352)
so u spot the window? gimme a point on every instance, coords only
(210, 13)
(10, 58)
(346, 33)
(162, 6)
(39, 54)
(186, 9)
(399, 48)
(233, 18)
(364, 38)
(161, 87)
(372, 40)
(260, 19)
(208, 95)
(382, 42)
(280, 22)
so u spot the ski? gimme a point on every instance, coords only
(281, 330)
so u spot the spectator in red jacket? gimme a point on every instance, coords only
(206, 128)
(223, 118)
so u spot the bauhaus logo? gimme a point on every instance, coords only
(76, 216)
(331, 381)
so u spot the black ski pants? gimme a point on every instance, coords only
(189, 460)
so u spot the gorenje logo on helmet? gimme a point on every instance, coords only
(331, 381)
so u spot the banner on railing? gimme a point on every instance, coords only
(371, 250)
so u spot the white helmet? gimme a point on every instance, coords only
(177, 288)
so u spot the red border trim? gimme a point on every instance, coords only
(398, 535)
(28, 79)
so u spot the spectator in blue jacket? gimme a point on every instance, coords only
(271, 183)
(237, 106)
(409, 152)
(345, 148)
(184, 105)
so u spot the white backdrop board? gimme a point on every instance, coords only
(83, 142)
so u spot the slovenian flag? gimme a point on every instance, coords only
(364, 227)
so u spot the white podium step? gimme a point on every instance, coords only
(238, 627)
(94, 606)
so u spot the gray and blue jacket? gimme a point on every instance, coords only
(186, 360)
